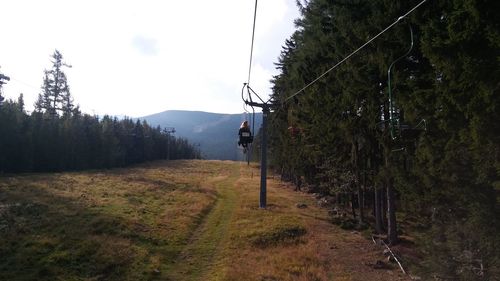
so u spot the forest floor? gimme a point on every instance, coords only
(176, 220)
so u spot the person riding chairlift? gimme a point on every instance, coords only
(245, 135)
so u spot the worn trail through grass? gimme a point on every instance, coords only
(198, 256)
(173, 220)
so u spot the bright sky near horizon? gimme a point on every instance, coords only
(137, 58)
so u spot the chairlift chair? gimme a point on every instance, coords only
(245, 138)
(398, 129)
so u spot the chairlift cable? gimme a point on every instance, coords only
(24, 83)
(251, 47)
(355, 51)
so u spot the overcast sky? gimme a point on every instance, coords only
(137, 58)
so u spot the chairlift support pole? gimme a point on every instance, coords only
(266, 109)
(168, 132)
(263, 158)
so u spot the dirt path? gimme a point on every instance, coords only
(223, 247)
(197, 258)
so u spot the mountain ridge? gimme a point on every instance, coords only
(216, 134)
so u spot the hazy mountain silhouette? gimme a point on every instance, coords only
(215, 133)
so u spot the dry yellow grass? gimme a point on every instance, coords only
(178, 220)
(120, 224)
(324, 252)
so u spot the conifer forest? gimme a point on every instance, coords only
(57, 136)
(420, 146)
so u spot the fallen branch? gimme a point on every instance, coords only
(390, 251)
(394, 256)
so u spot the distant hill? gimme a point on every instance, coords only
(215, 133)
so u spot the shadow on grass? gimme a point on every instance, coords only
(278, 236)
(47, 237)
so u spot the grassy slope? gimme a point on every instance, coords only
(180, 220)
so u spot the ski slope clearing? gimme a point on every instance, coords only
(176, 220)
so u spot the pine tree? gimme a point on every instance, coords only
(446, 177)
(55, 98)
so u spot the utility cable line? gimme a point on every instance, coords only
(251, 47)
(355, 51)
(24, 83)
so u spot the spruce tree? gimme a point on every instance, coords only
(55, 99)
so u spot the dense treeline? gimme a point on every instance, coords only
(39, 144)
(56, 136)
(431, 152)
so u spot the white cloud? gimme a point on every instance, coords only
(141, 57)
(146, 46)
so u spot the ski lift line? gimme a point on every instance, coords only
(24, 83)
(242, 91)
(355, 51)
(245, 104)
(253, 37)
(253, 119)
(250, 149)
(245, 108)
(391, 103)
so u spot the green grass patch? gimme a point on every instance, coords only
(120, 224)
(198, 256)
(176, 220)
(278, 235)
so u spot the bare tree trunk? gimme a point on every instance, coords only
(379, 205)
(360, 205)
(363, 189)
(298, 182)
(352, 205)
(374, 201)
(361, 199)
(355, 170)
(383, 204)
(392, 234)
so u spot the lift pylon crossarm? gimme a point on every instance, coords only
(251, 91)
(169, 130)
